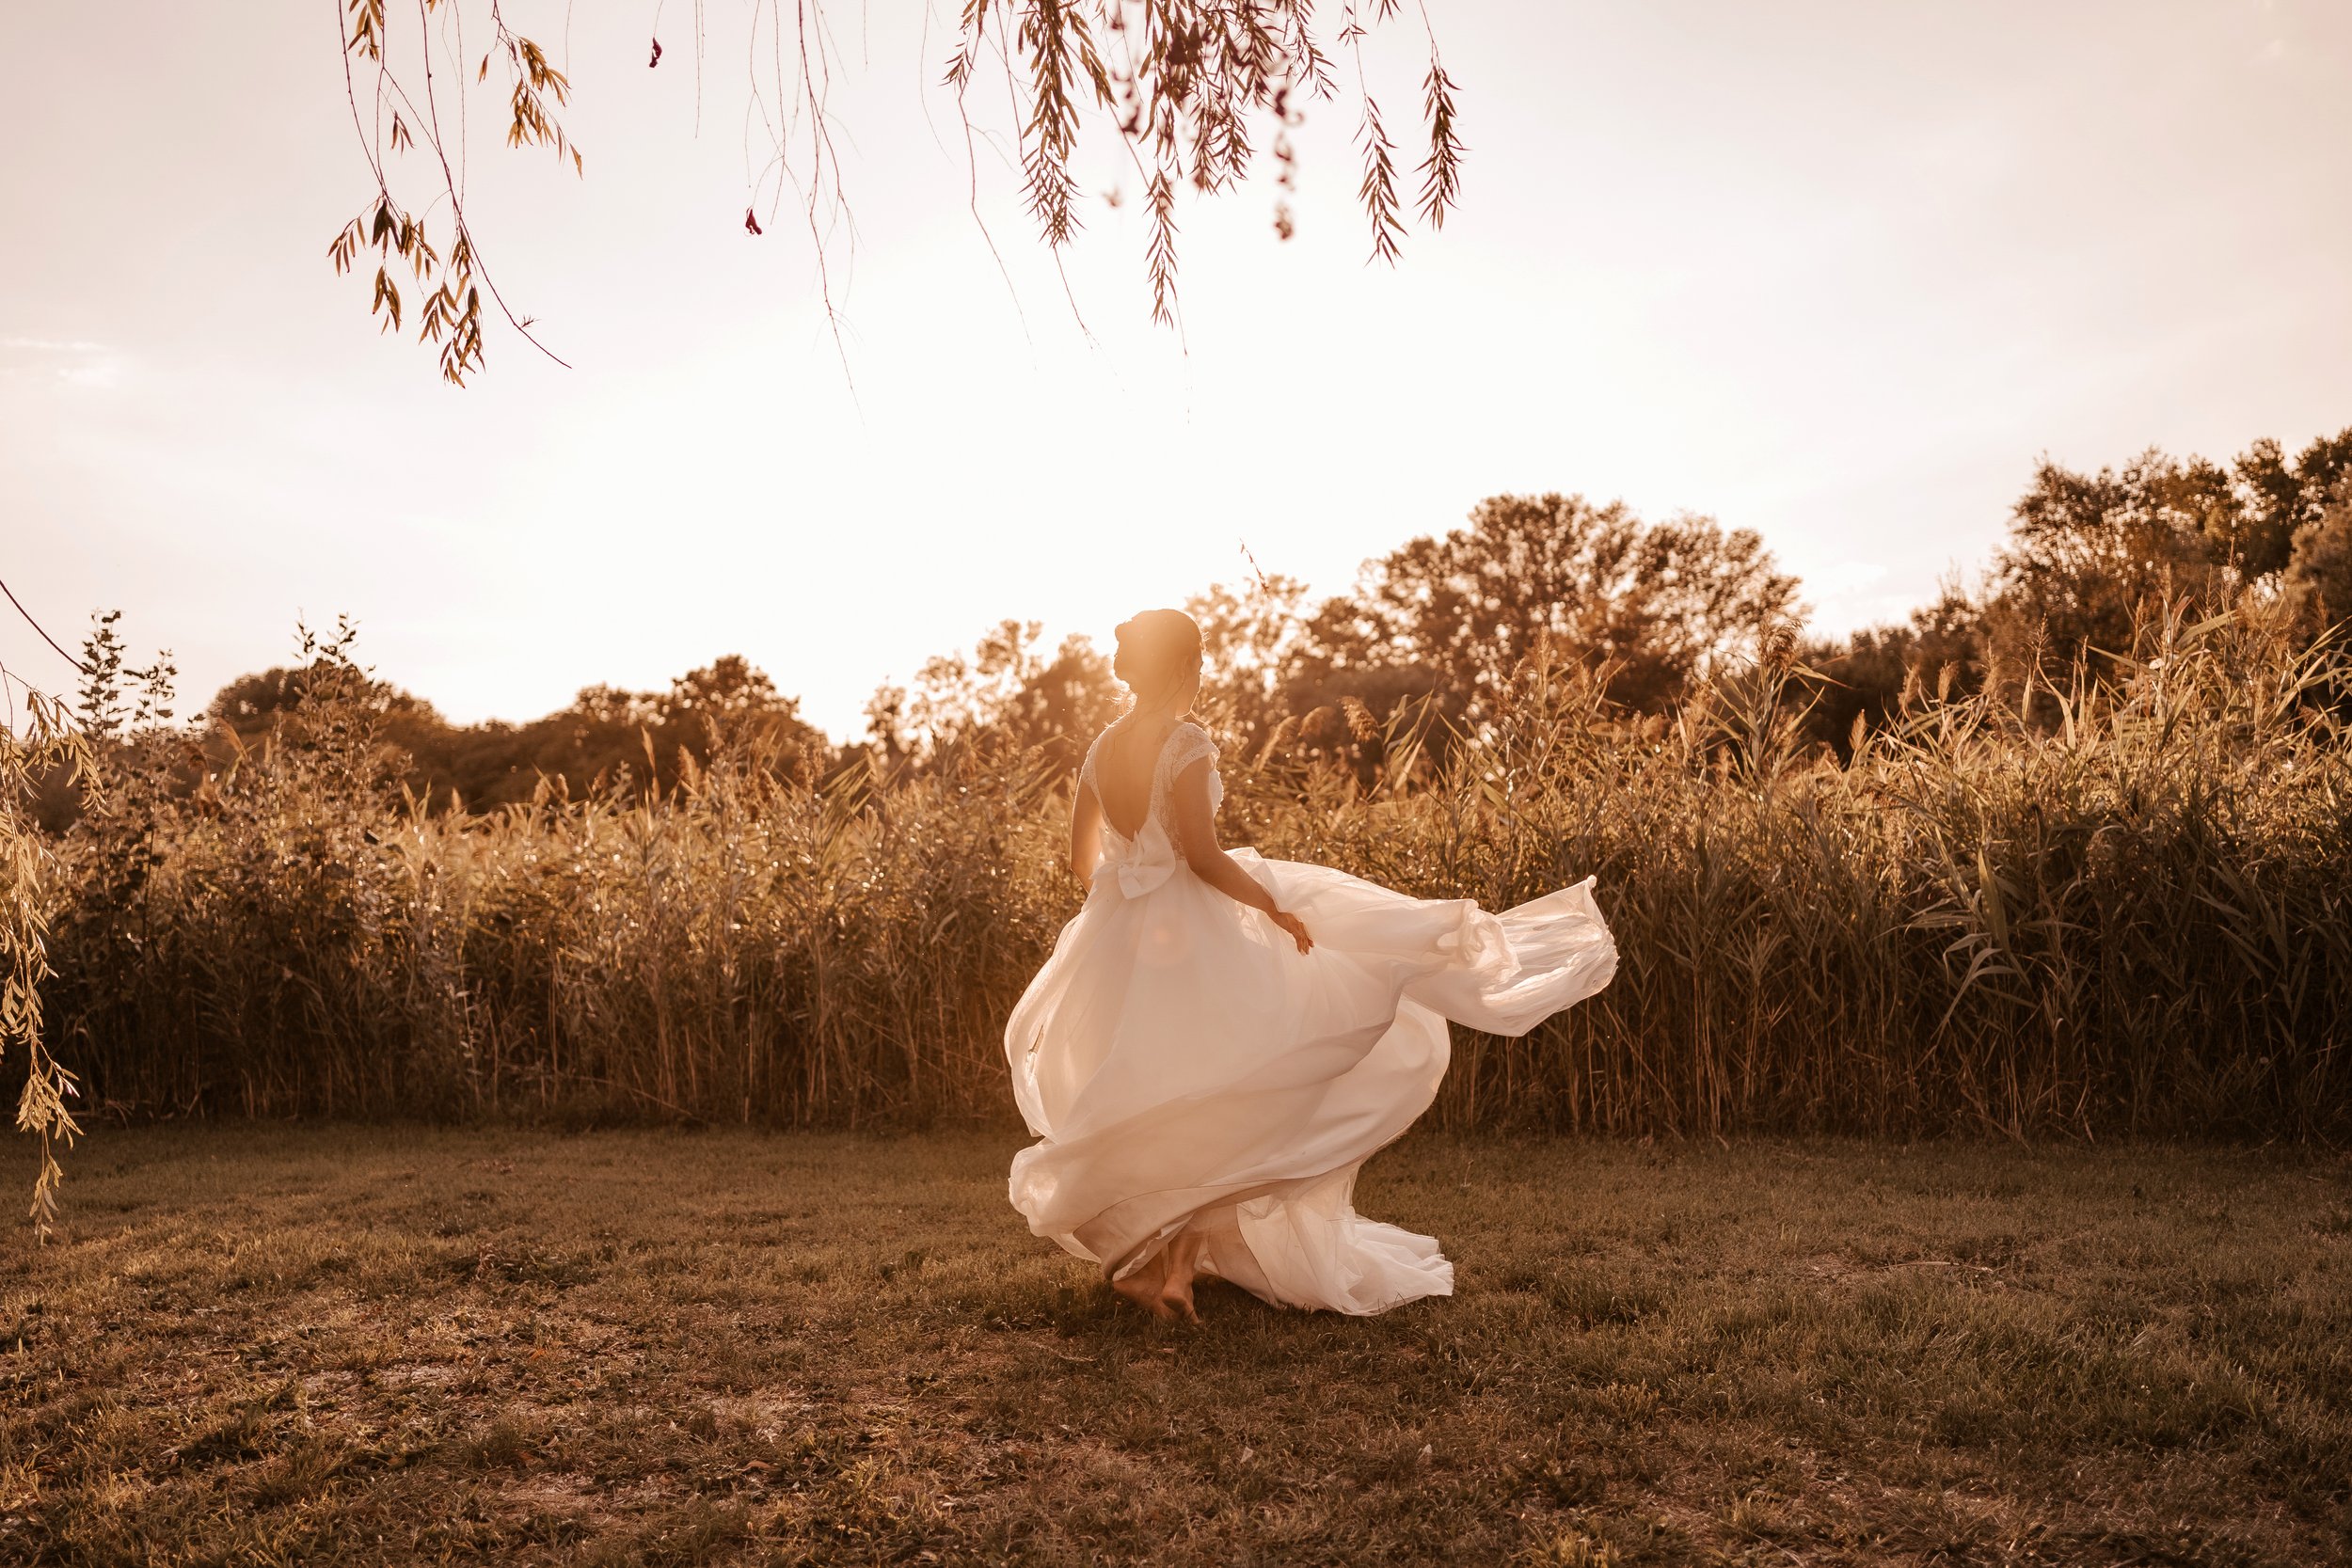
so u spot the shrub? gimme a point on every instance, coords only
(2091, 907)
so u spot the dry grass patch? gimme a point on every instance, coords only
(265, 1344)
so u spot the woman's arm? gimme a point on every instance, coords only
(1086, 832)
(1195, 835)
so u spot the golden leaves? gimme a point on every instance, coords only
(451, 313)
(1161, 258)
(367, 30)
(1185, 85)
(1055, 38)
(387, 302)
(1442, 172)
(42, 744)
(1184, 80)
(1377, 190)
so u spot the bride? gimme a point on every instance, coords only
(1219, 1041)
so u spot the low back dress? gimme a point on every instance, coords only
(1186, 1069)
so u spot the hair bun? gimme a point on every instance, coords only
(1157, 648)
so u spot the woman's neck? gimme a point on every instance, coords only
(1158, 713)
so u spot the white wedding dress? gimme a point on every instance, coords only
(1186, 1068)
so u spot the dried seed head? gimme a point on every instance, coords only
(1277, 743)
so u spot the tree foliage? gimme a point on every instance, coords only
(2092, 560)
(1005, 691)
(40, 739)
(2086, 551)
(608, 740)
(1187, 90)
(1649, 603)
(2319, 573)
(1448, 620)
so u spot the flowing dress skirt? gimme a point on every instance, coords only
(1184, 1068)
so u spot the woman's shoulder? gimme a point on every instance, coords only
(1095, 749)
(1189, 742)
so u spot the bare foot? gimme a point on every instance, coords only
(1147, 1286)
(1176, 1301)
(1183, 1266)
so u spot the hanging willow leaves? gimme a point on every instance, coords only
(1377, 191)
(1442, 172)
(452, 317)
(44, 742)
(1179, 85)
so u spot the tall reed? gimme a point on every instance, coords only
(2069, 909)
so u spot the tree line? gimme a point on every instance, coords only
(1653, 608)
(1649, 608)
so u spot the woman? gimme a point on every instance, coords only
(1219, 1041)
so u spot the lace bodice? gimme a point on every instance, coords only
(1145, 860)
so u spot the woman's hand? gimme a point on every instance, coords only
(1298, 930)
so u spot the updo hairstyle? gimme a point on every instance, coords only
(1159, 654)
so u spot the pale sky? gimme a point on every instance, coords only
(1837, 271)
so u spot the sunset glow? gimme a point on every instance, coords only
(1176, 782)
(1834, 271)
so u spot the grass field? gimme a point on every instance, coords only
(264, 1344)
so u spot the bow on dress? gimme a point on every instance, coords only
(1141, 865)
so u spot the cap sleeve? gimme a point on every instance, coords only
(1189, 744)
